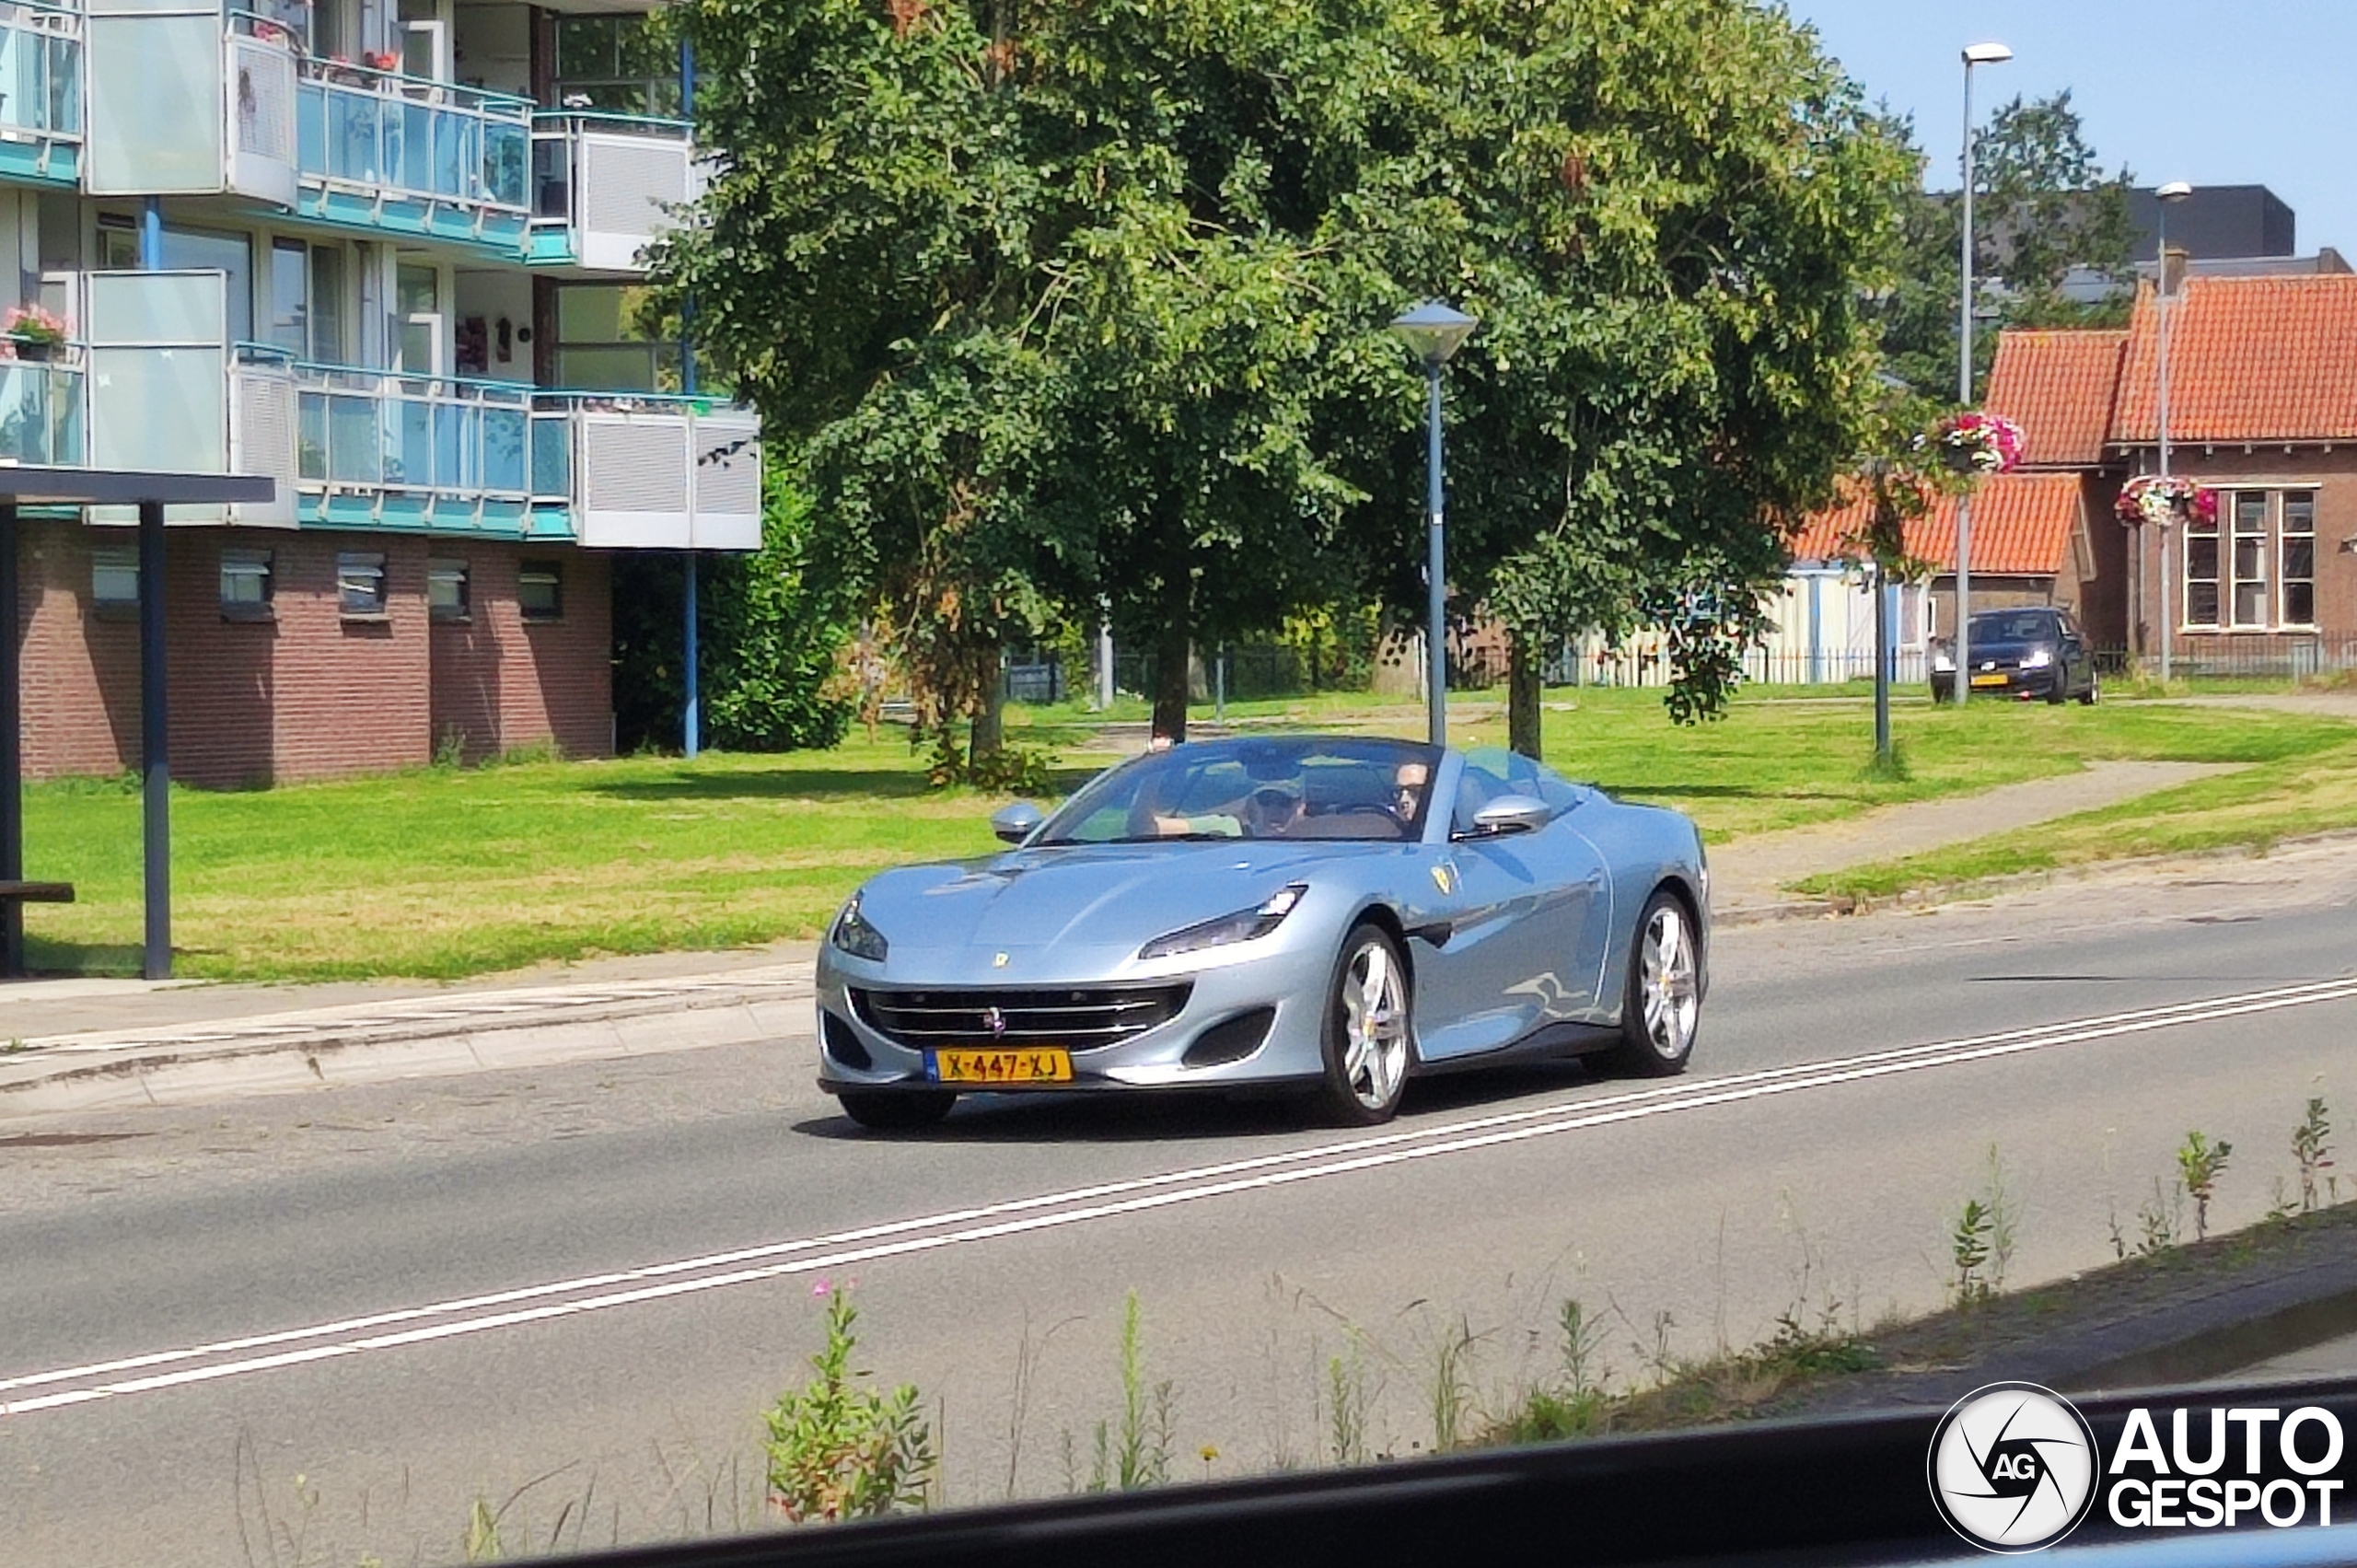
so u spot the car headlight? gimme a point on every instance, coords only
(1241, 926)
(855, 936)
(2038, 659)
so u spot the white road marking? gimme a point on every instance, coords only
(594, 1293)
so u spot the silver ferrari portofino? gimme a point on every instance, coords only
(1322, 915)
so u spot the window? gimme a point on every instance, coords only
(2201, 572)
(290, 297)
(114, 578)
(359, 584)
(540, 590)
(446, 590)
(245, 585)
(2250, 557)
(2298, 571)
(602, 343)
(617, 65)
(118, 243)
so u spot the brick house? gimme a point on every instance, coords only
(2263, 411)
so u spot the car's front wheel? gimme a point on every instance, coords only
(898, 1112)
(1663, 1006)
(1367, 1048)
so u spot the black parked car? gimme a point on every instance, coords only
(2024, 653)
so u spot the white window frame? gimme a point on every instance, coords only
(2284, 579)
(2231, 581)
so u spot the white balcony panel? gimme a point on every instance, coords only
(158, 378)
(632, 472)
(727, 482)
(154, 103)
(262, 439)
(261, 113)
(627, 185)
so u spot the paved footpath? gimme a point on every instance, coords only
(72, 1044)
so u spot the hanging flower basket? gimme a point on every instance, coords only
(2148, 499)
(1978, 443)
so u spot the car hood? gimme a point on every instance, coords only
(1075, 908)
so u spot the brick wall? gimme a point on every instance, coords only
(306, 692)
(500, 681)
(2332, 473)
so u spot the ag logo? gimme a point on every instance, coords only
(2012, 1467)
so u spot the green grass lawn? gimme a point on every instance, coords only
(444, 873)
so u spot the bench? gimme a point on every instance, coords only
(11, 894)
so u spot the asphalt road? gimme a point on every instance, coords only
(584, 1282)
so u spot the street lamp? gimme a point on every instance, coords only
(1434, 331)
(1974, 54)
(2170, 195)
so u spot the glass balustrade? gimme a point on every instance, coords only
(428, 141)
(40, 413)
(443, 436)
(40, 69)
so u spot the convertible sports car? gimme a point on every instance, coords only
(1320, 915)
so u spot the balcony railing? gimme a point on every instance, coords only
(41, 405)
(651, 470)
(41, 91)
(603, 185)
(393, 151)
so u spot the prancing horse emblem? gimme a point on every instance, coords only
(995, 1021)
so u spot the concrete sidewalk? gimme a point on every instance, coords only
(76, 1044)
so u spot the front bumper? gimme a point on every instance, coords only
(2023, 684)
(1289, 985)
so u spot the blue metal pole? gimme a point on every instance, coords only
(12, 795)
(1436, 691)
(692, 721)
(154, 737)
(151, 236)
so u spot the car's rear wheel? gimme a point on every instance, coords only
(1366, 1046)
(1663, 1006)
(898, 1112)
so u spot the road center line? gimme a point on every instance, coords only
(530, 1303)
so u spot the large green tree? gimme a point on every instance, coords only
(1666, 214)
(2043, 210)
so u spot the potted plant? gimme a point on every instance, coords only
(32, 333)
(2148, 499)
(1978, 443)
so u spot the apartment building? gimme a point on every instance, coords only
(389, 253)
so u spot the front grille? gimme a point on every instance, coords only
(1078, 1018)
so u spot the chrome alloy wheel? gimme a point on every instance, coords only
(1375, 1026)
(1667, 982)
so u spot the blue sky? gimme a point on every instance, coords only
(2250, 93)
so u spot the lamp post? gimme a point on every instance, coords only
(1434, 331)
(1974, 54)
(2170, 195)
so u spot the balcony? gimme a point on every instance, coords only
(603, 186)
(647, 471)
(379, 150)
(359, 448)
(40, 93)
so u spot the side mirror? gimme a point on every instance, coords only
(1511, 814)
(1014, 823)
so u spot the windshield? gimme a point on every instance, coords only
(1290, 788)
(2015, 626)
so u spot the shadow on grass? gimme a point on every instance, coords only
(784, 784)
(1149, 1116)
(49, 958)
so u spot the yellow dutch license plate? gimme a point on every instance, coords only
(1041, 1066)
(1997, 679)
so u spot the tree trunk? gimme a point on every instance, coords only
(988, 733)
(1522, 694)
(1172, 643)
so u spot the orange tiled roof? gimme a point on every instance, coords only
(2060, 388)
(2021, 527)
(2250, 359)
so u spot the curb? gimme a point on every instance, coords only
(196, 1064)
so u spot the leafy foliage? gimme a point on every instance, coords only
(2042, 206)
(840, 1451)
